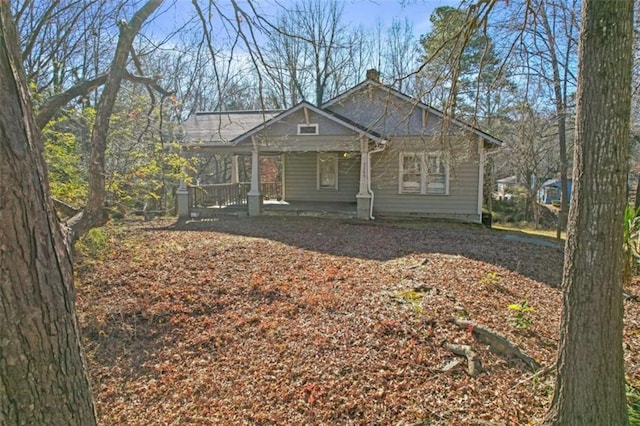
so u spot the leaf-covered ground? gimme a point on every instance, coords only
(308, 321)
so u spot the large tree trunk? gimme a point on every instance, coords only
(94, 213)
(590, 387)
(42, 371)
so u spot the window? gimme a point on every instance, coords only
(423, 173)
(307, 129)
(436, 175)
(411, 173)
(327, 171)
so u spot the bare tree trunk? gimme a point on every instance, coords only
(94, 214)
(42, 370)
(561, 118)
(590, 388)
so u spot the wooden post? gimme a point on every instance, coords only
(254, 193)
(234, 169)
(363, 197)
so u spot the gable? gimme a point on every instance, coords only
(391, 113)
(294, 125)
(287, 125)
(378, 110)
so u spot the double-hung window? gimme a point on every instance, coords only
(423, 173)
(327, 170)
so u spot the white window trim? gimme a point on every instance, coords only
(335, 167)
(423, 172)
(315, 125)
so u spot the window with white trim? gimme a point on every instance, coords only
(423, 173)
(327, 170)
(308, 129)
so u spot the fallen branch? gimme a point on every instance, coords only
(424, 262)
(498, 344)
(474, 366)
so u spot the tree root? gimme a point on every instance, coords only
(537, 375)
(474, 366)
(498, 344)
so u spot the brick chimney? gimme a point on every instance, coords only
(373, 74)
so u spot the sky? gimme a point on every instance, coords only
(366, 13)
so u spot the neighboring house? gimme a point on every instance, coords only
(372, 148)
(551, 191)
(505, 185)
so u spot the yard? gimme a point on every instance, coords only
(305, 321)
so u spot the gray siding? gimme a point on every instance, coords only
(289, 125)
(389, 115)
(320, 143)
(386, 114)
(462, 201)
(283, 135)
(300, 171)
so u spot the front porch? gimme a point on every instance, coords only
(229, 194)
(328, 183)
(231, 200)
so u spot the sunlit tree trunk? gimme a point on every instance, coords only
(560, 101)
(94, 214)
(590, 387)
(42, 371)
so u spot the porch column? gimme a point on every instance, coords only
(234, 169)
(363, 197)
(182, 200)
(254, 193)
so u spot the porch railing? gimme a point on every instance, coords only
(219, 195)
(271, 190)
(227, 194)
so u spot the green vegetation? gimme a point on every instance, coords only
(94, 245)
(412, 298)
(633, 405)
(521, 319)
(518, 211)
(490, 280)
(142, 169)
(631, 242)
(65, 137)
(530, 231)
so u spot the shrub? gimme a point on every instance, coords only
(631, 242)
(522, 318)
(633, 405)
(93, 245)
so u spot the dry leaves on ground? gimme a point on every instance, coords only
(307, 321)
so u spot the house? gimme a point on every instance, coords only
(372, 148)
(551, 191)
(505, 185)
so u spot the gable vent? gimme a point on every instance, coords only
(307, 129)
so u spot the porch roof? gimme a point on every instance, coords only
(221, 128)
